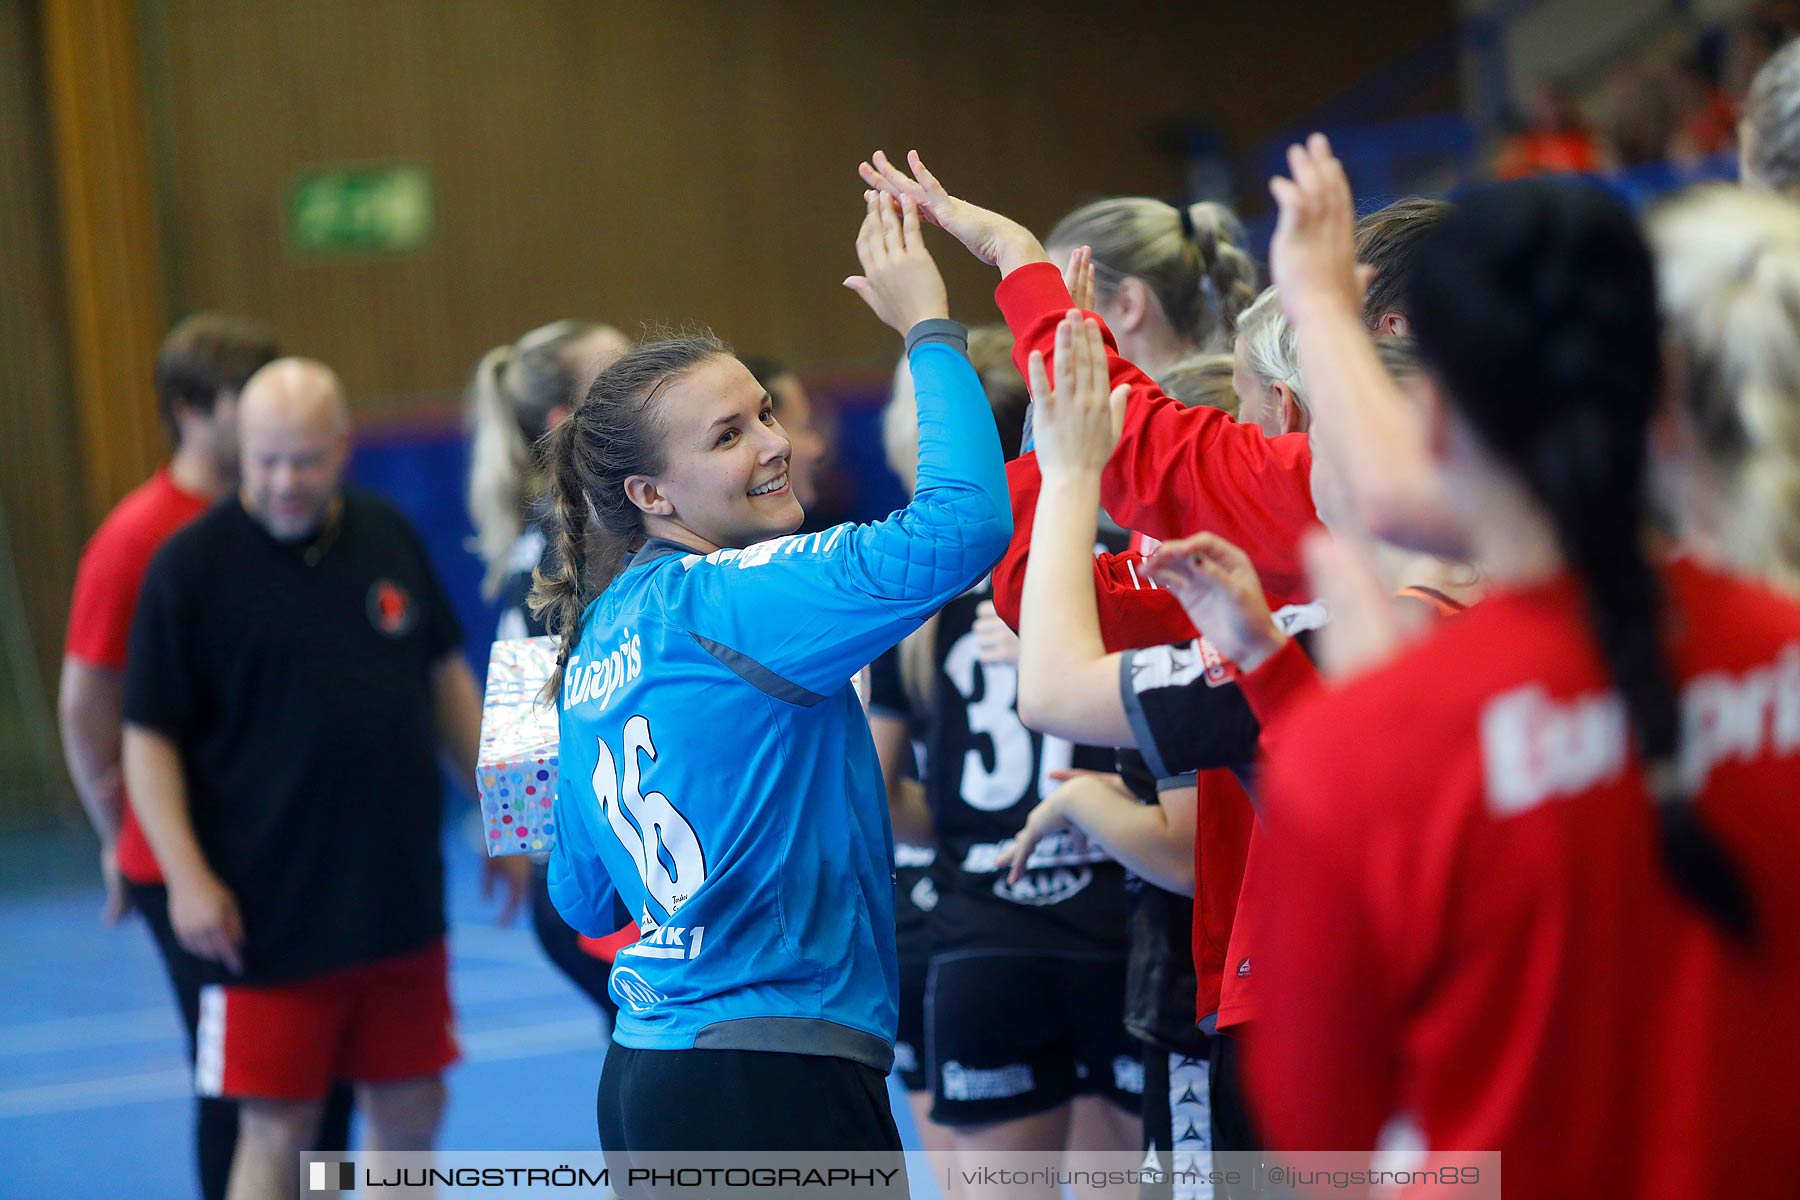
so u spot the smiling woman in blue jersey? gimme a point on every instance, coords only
(716, 762)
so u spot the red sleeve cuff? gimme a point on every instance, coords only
(1275, 686)
(1030, 292)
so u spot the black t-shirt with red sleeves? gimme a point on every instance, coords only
(296, 680)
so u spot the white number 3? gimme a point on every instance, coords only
(659, 839)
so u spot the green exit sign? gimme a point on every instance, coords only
(360, 210)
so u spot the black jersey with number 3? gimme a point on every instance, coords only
(983, 774)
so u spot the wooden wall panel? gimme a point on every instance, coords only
(112, 265)
(651, 161)
(41, 502)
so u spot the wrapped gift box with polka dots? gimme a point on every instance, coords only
(517, 773)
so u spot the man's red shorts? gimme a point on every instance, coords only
(377, 1022)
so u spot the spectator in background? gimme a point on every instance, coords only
(1707, 116)
(519, 393)
(1769, 134)
(282, 718)
(1637, 117)
(201, 367)
(1555, 139)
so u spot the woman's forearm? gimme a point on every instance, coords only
(1067, 685)
(1020, 250)
(1141, 837)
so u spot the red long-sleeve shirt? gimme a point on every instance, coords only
(1134, 612)
(1176, 471)
(1468, 920)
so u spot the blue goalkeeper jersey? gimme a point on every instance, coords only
(717, 768)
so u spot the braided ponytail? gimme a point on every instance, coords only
(1537, 304)
(560, 590)
(1228, 275)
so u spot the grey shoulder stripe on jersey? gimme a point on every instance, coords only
(757, 675)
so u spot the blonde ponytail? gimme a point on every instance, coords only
(510, 399)
(499, 466)
(1728, 265)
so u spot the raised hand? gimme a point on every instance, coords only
(1075, 423)
(1312, 254)
(900, 282)
(1222, 594)
(996, 240)
(1079, 276)
(995, 642)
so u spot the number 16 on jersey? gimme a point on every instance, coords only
(661, 842)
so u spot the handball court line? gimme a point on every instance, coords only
(158, 1025)
(500, 1043)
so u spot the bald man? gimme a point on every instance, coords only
(294, 431)
(293, 672)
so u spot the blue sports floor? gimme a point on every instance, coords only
(94, 1085)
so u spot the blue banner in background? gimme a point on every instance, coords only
(423, 471)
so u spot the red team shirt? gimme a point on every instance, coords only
(1277, 687)
(1273, 690)
(1224, 832)
(1469, 924)
(1176, 471)
(106, 595)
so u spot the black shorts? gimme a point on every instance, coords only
(734, 1101)
(909, 1035)
(1012, 1033)
(1234, 1124)
(915, 897)
(1178, 1134)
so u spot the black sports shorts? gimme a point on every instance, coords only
(1012, 1033)
(681, 1103)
